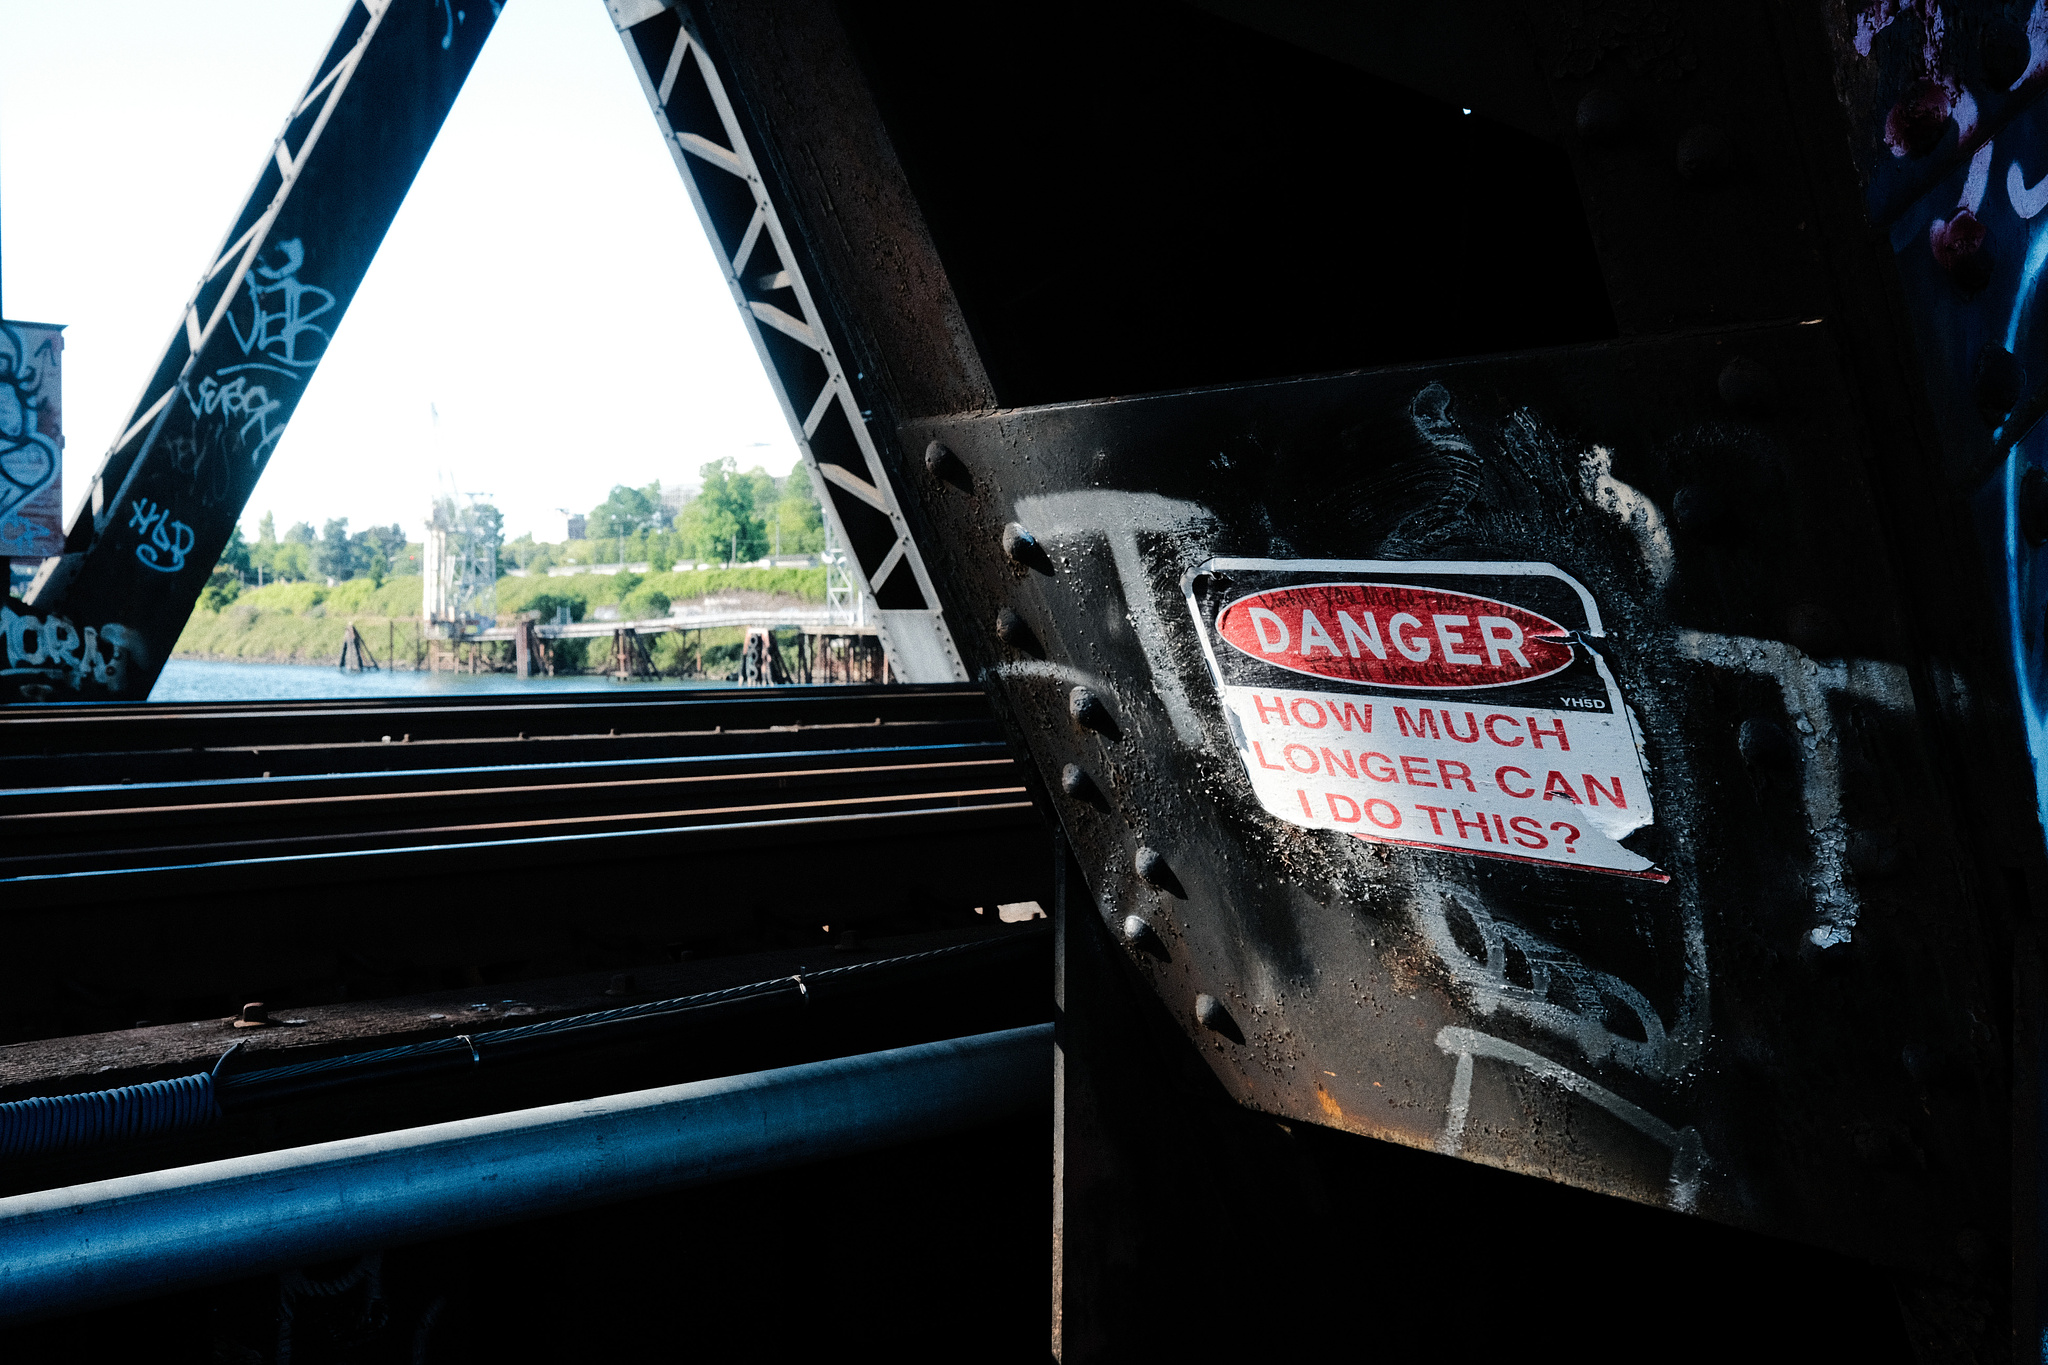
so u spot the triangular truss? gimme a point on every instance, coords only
(105, 614)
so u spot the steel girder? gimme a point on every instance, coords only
(104, 615)
(1820, 1025)
(766, 271)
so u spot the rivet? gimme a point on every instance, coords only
(1918, 122)
(1747, 386)
(1023, 549)
(1604, 118)
(1961, 247)
(1088, 711)
(1150, 865)
(1874, 855)
(2033, 505)
(945, 466)
(1075, 782)
(1135, 928)
(255, 1014)
(1706, 157)
(1764, 744)
(1995, 383)
(1702, 511)
(1211, 1015)
(1015, 632)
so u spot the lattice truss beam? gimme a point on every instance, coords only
(106, 613)
(711, 152)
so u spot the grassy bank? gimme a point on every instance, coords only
(303, 623)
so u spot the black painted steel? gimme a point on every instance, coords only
(1748, 484)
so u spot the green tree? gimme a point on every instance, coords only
(293, 562)
(797, 523)
(263, 554)
(300, 534)
(335, 557)
(234, 556)
(721, 523)
(624, 512)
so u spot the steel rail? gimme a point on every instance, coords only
(28, 822)
(330, 870)
(66, 1250)
(231, 850)
(474, 778)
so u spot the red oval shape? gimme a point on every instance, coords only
(1394, 635)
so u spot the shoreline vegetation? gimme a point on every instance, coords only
(304, 623)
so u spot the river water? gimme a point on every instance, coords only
(191, 680)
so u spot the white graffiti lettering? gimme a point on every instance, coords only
(52, 647)
(286, 333)
(239, 398)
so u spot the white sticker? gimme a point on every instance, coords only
(1446, 705)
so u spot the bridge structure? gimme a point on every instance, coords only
(1505, 546)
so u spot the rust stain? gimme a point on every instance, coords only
(1331, 1109)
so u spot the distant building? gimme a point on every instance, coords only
(577, 527)
(674, 498)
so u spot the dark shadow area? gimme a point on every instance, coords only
(1201, 1228)
(1133, 196)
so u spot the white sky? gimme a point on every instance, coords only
(546, 285)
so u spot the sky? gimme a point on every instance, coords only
(545, 318)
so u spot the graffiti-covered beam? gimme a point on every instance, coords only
(104, 615)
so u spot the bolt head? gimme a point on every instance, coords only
(1962, 248)
(1764, 744)
(1706, 157)
(255, 1014)
(1088, 710)
(2033, 505)
(945, 466)
(1150, 865)
(1018, 542)
(1135, 928)
(1918, 122)
(1075, 782)
(1604, 119)
(1210, 1014)
(1995, 383)
(1015, 632)
(1747, 386)
(1702, 511)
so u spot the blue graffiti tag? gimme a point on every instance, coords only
(456, 16)
(169, 541)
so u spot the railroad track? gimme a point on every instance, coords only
(162, 862)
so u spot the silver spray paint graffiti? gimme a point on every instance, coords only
(31, 440)
(1580, 1008)
(48, 652)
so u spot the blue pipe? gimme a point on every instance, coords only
(66, 1250)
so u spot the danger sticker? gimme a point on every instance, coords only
(1448, 705)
